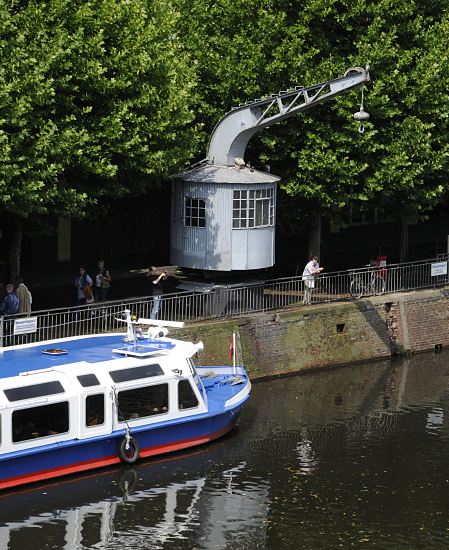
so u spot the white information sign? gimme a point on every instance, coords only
(438, 268)
(25, 325)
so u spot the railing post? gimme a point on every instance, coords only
(1, 330)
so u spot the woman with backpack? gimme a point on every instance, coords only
(83, 285)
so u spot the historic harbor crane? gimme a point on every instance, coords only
(223, 212)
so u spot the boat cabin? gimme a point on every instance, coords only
(89, 389)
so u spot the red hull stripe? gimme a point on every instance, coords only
(109, 460)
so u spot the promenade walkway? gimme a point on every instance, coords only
(52, 286)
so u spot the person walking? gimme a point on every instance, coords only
(102, 283)
(155, 277)
(83, 285)
(24, 295)
(10, 304)
(308, 276)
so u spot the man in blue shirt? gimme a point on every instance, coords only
(10, 304)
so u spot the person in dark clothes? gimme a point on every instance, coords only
(81, 281)
(156, 277)
(10, 304)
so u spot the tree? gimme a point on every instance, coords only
(399, 165)
(95, 102)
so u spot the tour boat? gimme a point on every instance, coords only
(84, 402)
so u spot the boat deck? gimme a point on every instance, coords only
(95, 349)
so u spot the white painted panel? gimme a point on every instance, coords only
(194, 239)
(239, 249)
(219, 223)
(260, 248)
(217, 246)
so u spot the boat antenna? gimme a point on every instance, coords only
(132, 335)
(130, 332)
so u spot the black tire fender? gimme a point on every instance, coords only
(128, 480)
(129, 452)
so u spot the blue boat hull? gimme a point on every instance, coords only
(73, 456)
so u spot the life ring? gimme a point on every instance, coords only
(129, 453)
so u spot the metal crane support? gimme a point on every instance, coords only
(233, 132)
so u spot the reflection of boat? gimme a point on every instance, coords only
(85, 402)
(162, 502)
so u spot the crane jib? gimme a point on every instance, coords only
(233, 132)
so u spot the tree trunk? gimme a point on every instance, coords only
(315, 237)
(15, 249)
(403, 256)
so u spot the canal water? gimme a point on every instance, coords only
(354, 457)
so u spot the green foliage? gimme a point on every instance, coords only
(95, 101)
(248, 49)
(104, 97)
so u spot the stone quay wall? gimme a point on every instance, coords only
(301, 338)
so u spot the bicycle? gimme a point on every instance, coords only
(365, 283)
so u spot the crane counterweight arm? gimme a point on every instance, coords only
(233, 132)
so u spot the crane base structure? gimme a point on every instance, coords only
(223, 213)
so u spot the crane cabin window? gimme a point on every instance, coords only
(253, 208)
(194, 212)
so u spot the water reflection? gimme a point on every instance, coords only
(150, 518)
(342, 458)
(307, 458)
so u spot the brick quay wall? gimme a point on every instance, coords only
(324, 335)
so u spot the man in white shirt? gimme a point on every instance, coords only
(308, 276)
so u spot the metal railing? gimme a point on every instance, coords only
(224, 301)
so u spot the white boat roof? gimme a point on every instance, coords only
(71, 353)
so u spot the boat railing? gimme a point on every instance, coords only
(222, 301)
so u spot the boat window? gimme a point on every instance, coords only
(87, 380)
(95, 409)
(142, 402)
(134, 373)
(36, 390)
(42, 421)
(199, 385)
(186, 396)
